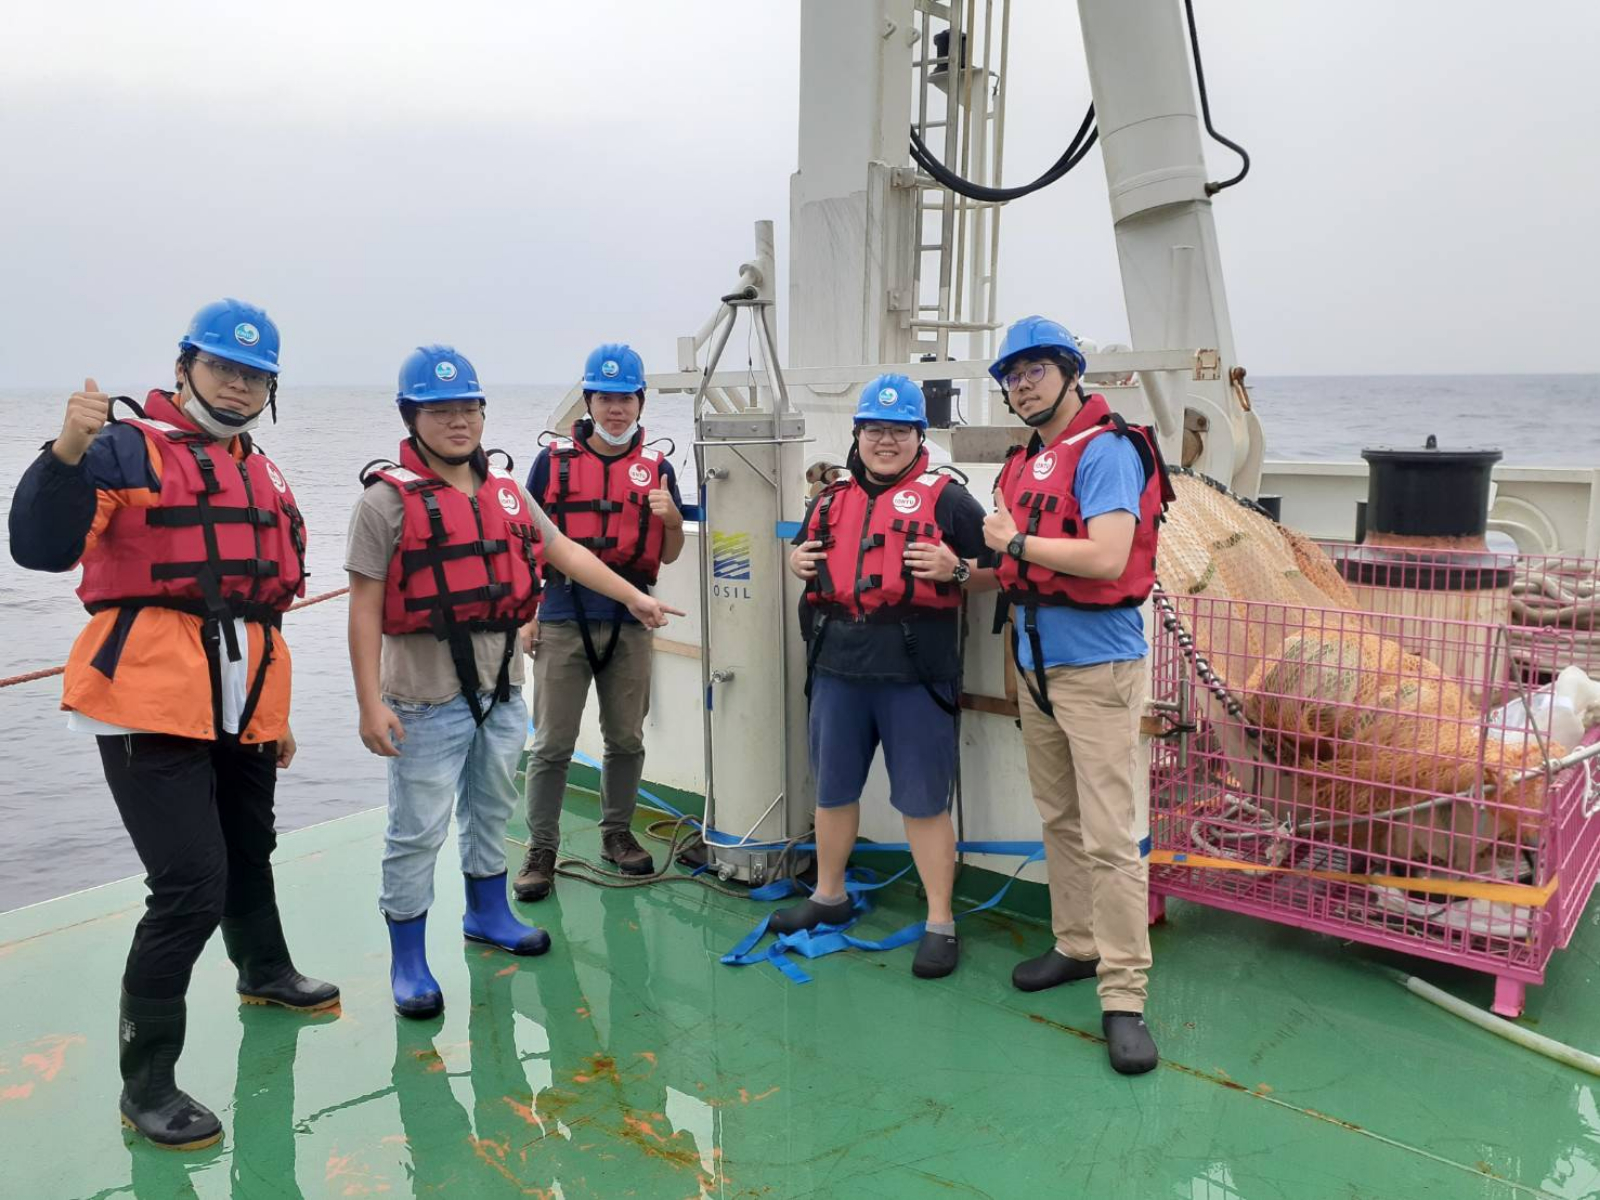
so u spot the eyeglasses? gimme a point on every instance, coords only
(232, 372)
(886, 433)
(445, 414)
(1032, 373)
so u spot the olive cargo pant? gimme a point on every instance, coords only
(561, 675)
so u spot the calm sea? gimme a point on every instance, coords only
(59, 830)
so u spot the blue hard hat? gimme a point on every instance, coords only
(1036, 333)
(236, 331)
(613, 367)
(432, 374)
(893, 398)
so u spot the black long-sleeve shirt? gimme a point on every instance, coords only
(54, 506)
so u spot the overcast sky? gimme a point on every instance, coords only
(529, 179)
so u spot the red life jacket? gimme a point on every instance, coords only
(226, 539)
(1037, 487)
(465, 564)
(865, 572)
(603, 503)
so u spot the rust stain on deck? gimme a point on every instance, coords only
(601, 1066)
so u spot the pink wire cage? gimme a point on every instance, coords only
(1390, 774)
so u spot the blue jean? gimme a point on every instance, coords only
(448, 762)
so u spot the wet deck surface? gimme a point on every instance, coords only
(628, 1062)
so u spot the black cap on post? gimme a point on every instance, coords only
(1429, 492)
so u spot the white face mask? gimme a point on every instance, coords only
(219, 429)
(616, 439)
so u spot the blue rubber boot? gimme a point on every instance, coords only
(416, 991)
(489, 919)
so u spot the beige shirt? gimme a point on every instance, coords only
(416, 666)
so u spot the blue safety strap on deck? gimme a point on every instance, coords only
(859, 883)
(830, 939)
(787, 530)
(824, 939)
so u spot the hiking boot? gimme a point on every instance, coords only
(1050, 970)
(537, 879)
(1128, 1042)
(622, 850)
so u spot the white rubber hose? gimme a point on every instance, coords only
(1536, 1042)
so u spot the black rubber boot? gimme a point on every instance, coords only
(937, 955)
(1128, 1042)
(266, 975)
(1051, 970)
(150, 1039)
(808, 914)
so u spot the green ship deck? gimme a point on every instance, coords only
(629, 1062)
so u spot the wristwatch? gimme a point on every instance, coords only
(961, 573)
(1015, 545)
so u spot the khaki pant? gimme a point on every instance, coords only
(1084, 765)
(561, 676)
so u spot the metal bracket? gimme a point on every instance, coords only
(1207, 364)
(790, 427)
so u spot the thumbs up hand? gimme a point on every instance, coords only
(87, 412)
(999, 527)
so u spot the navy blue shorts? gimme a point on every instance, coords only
(851, 718)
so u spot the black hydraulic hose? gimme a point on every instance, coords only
(1080, 145)
(1070, 157)
(1205, 109)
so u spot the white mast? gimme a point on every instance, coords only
(850, 228)
(1138, 54)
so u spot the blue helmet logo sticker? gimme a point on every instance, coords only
(610, 369)
(888, 397)
(246, 334)
(446, 371)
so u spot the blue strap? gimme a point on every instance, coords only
(824, 939)
(787, 530)
(913, 932)
(859, 883)
(692, 512)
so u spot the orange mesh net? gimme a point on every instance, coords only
(1364, 724)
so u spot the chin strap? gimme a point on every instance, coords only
(1041, 419)
(450, 460)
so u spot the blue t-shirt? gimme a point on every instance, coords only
(558, 605)
(1110, 478)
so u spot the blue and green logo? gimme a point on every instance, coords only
(730, 555)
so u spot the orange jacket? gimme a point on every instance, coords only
(147, 668)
